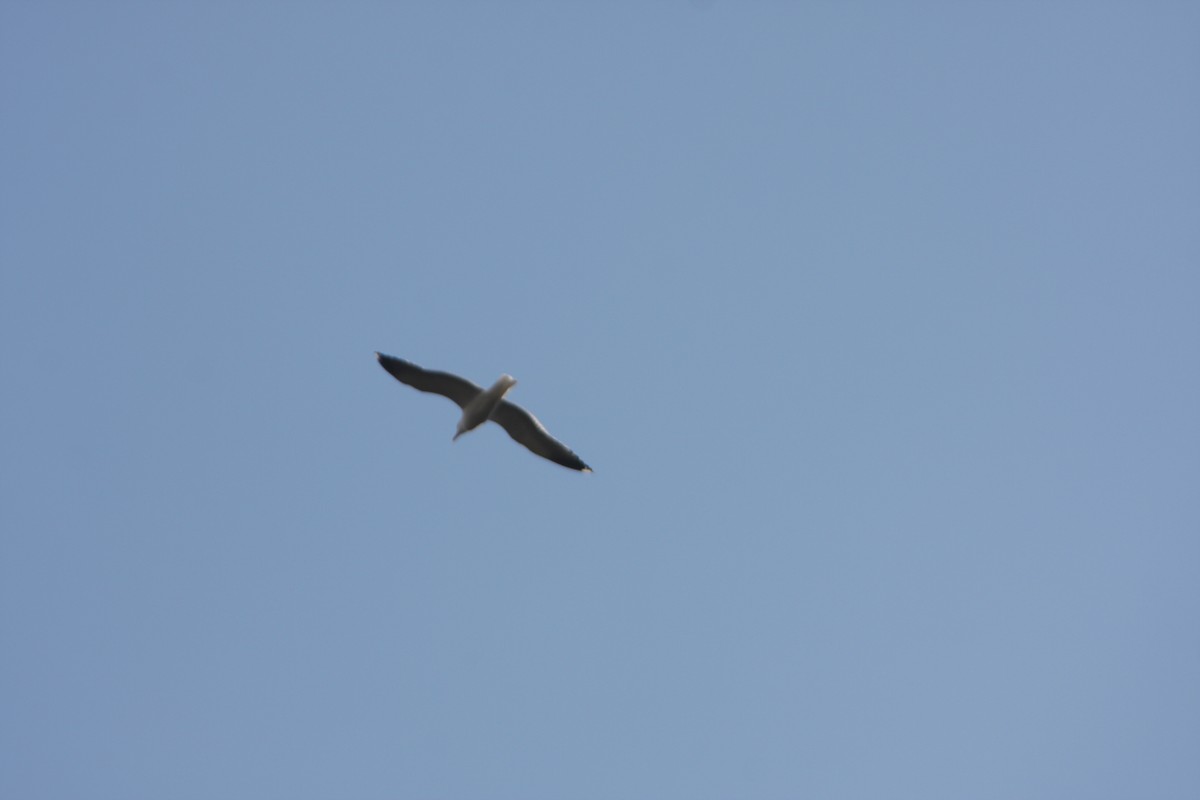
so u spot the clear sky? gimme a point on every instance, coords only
(879, 323)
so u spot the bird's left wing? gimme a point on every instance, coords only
(524, 427)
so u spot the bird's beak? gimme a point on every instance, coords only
(455, 439)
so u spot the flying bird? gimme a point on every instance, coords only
(479, 405)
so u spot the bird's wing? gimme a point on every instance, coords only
(460, 390)
(524, 428)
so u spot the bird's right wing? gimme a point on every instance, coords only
(524, 427)
(460, 390)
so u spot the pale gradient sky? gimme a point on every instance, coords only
(878, 323)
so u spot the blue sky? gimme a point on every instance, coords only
(877, 322)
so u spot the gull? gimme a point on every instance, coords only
(479, 405)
